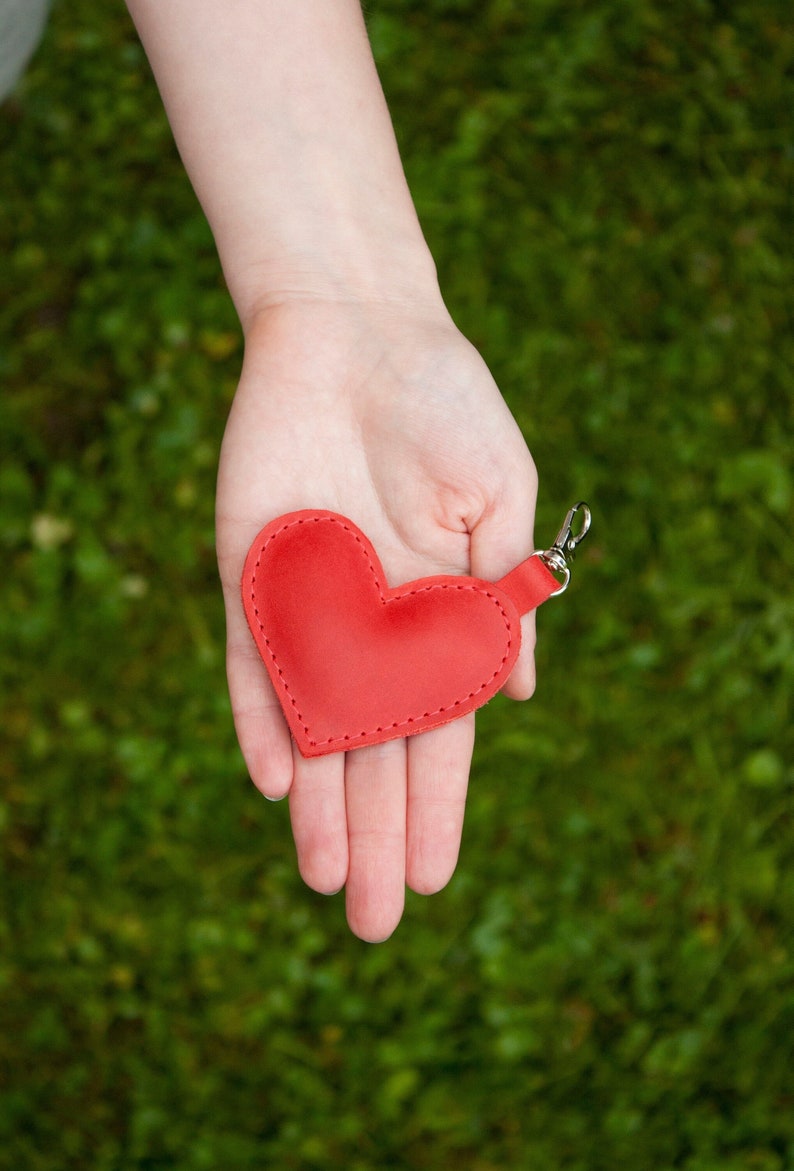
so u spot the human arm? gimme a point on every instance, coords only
(357, 394)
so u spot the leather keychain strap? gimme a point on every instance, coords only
(532, 582)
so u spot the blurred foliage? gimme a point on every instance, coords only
(608, 982)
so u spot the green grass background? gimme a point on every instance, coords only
(608, 982)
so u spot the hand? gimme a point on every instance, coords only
(385, 414)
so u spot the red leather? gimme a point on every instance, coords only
(355, 662)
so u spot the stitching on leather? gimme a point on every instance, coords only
(341, 740)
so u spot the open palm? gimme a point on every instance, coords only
(393, 420)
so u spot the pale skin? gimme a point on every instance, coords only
(357, 394)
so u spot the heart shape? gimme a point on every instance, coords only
(354, 662)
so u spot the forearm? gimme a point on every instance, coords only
(280, 119)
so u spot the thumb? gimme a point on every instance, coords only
(500, 541)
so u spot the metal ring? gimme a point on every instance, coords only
(554, 566)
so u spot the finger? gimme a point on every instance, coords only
(521, 681)
(261, 729)
(499, 542)
(319, 824)
(375, 789)
(438, 776)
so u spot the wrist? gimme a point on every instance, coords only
(336, 247)
(383, 276)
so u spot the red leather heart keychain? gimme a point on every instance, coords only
(356, 662)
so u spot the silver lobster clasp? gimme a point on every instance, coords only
(563, 550)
